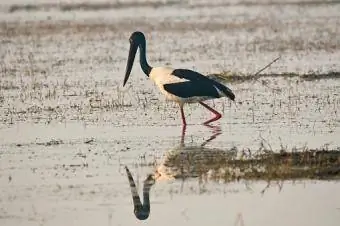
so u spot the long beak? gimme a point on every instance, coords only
(135, 197)
(131, 58)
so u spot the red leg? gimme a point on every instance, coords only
(183, 135)
(183, 117)
(216, 113)
(216, 131)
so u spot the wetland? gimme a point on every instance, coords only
(69, 129)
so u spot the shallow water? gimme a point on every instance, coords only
(82, 182)
(68, 127)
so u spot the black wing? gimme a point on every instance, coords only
(198, 85)
(191, 89)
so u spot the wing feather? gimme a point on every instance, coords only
(196, 85)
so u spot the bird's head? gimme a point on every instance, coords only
(136, 39)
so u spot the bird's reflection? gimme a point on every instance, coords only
(141, 210)
(233, 164)
(185, 161)
(230, 164)
(216, 130)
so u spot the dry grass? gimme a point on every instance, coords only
(48, 101)
(261, 164)
(37, 80)
(41, 99)
(230, 77)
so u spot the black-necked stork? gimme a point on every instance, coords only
(179, 85)
(141, 211)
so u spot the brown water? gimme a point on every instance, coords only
(68, 127)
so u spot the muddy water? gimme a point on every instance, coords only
(68, 127)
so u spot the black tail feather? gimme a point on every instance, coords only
(225, 90)
(222, 87)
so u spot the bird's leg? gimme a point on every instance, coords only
(216, 132)
(216, 113)
(183, 135)
(182, 114)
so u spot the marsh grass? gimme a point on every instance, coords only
(31, 93)
(37, 96)
(288, 100)
(235, 77)
(36, 85)
(262, 164)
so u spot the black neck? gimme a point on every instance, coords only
(146, 197)
(143, 62)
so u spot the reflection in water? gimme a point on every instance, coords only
(232, 164)
(239, 220)
(141, 210)
(185, 161)
(226, 165)
(216, 130)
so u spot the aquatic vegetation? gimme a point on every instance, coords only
(264, 165)
(229, 76)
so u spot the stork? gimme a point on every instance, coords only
(141, 211)
(178, 85)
